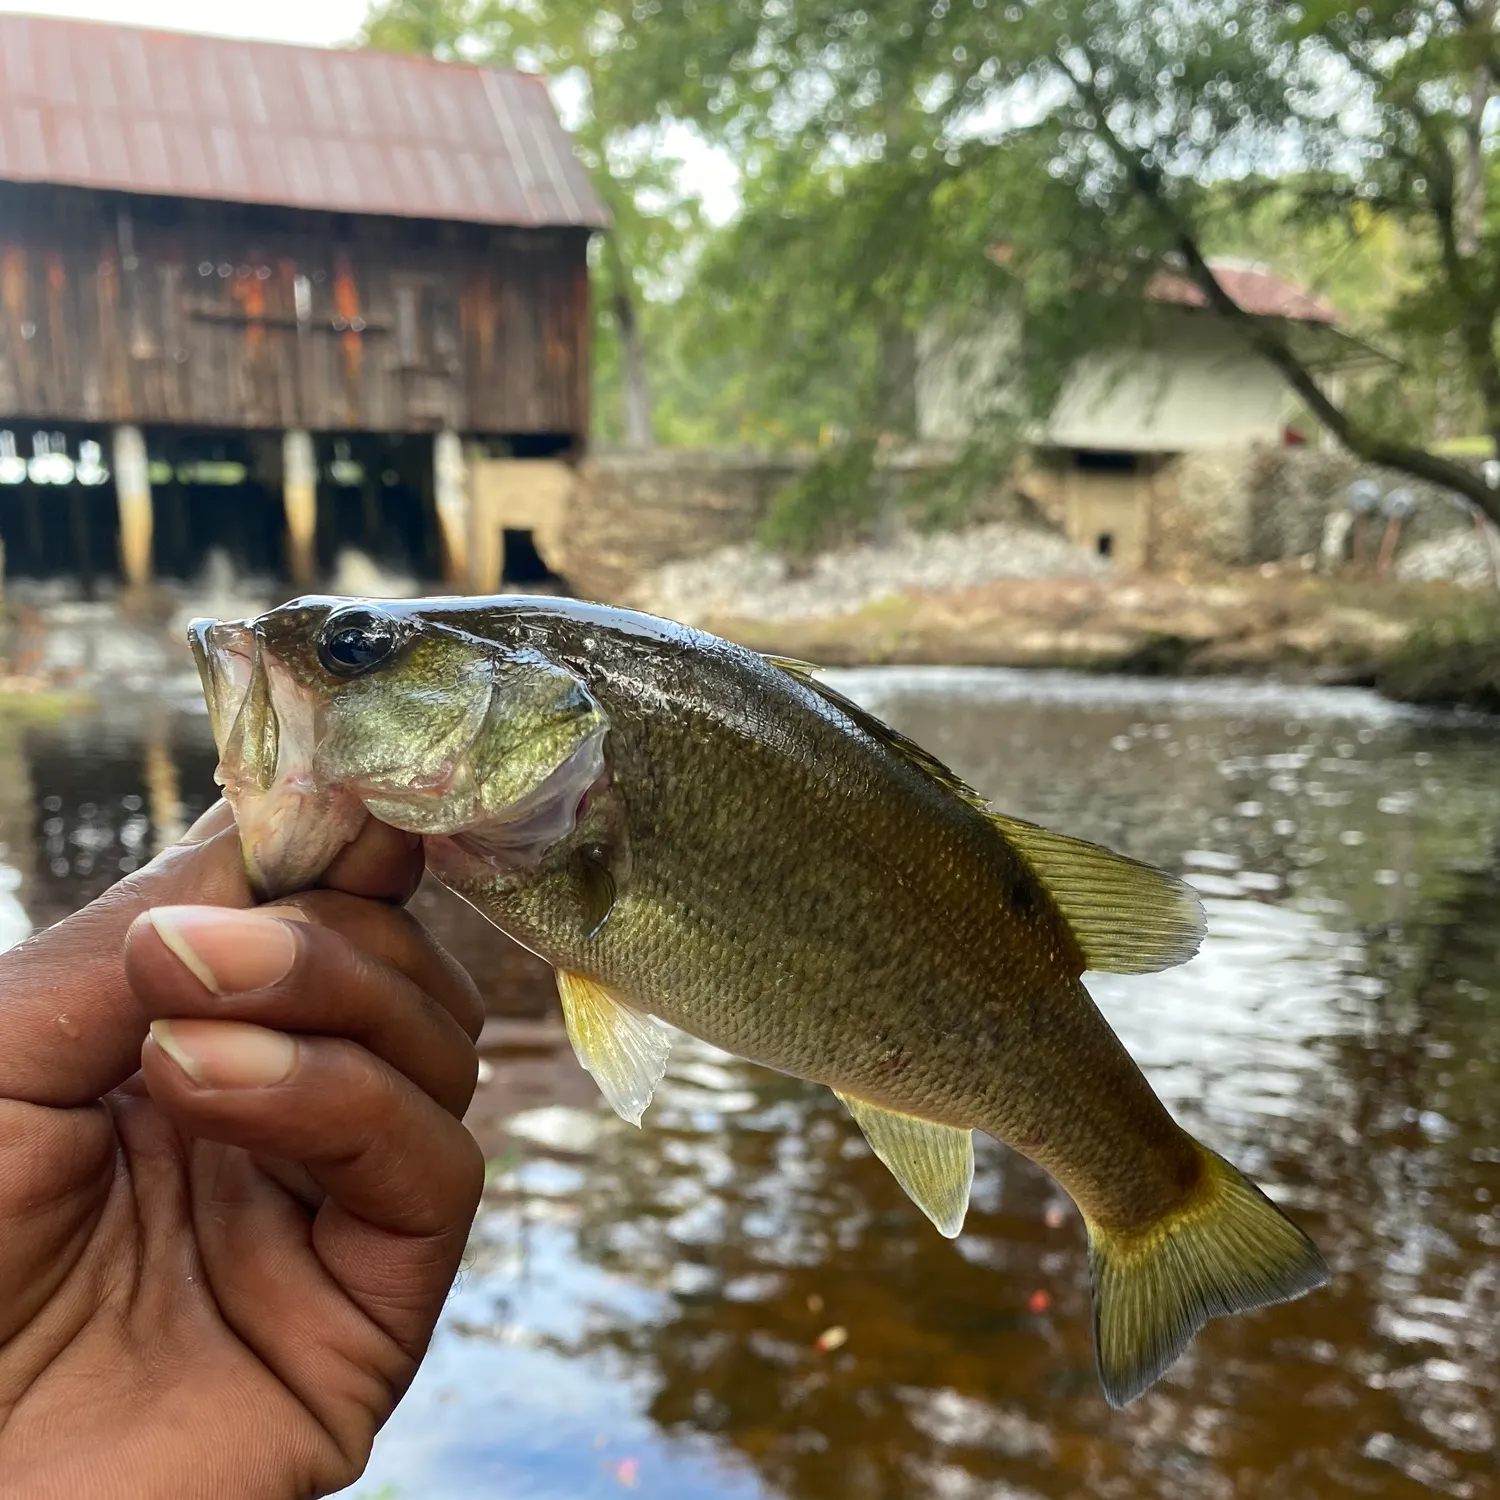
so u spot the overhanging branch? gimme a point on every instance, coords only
(1265, 337)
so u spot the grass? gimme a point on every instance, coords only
(1450, 658)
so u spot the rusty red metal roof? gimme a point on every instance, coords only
(1253, 289)
(95, 105)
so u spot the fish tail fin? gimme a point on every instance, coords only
(1225, 1249)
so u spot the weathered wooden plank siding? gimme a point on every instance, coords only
(117, 307)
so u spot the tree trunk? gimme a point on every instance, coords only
(1470, 205)
(896, 391)
(635, 384)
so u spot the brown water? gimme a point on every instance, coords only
(738, 1301)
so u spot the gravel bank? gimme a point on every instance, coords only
(744, 582)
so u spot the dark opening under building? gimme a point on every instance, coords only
(277, 299)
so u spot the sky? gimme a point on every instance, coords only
(703, 172)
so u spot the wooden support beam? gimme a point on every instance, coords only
(451, 496)
(299, 489)
(133, 497)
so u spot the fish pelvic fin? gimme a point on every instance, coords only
(625, 1050)
(1226, 1249)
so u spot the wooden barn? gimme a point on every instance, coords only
(277, 300)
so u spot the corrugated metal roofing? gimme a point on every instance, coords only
(87, 104)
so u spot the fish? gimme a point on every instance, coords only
(701, 838)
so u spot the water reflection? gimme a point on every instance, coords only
(738, 1301)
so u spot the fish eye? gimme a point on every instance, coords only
(355, 640)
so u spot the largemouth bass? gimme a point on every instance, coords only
(697, 835)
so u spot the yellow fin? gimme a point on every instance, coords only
(624, 1050)
(1128, 918)
(1227, 1249)
(933, 1163)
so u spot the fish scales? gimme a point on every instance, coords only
(690, 831)
(905, 971)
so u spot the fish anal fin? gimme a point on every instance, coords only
(1227, 1249)
(1128, 917)
(624, 1049)
(933, 1163)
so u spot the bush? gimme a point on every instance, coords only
(1452, 660)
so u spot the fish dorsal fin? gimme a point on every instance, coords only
(933, 1163)
(1128, 918)
(893, 739)
(624, 1050)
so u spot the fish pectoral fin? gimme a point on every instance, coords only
(596, 890)
(1128, 918)
(624, 1049)
(933, 1163)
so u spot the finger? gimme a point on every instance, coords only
(71, 1026)
(260, 967)
(402, 1175)
(394, 936)
(256, 1243)
(381, 863)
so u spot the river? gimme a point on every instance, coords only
(737, 1300)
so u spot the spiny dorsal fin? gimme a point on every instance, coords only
(1128, 918)
(625, 1050)
(933, 1163)
(893, 739)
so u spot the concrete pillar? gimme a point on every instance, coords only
(163, 789)
(451, 493)
(133, 496)
(299, 490)
(486, 536)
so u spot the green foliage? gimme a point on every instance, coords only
(882, 151)
(828, 504)
(1451, 657)
(887, 147)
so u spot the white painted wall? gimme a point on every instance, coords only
(1196, 389)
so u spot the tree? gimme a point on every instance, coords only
(651, 219)
(1101, 141)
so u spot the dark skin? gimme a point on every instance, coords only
(224, 1243)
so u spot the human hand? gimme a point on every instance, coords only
(223, 1247)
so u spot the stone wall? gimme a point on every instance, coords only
(1293, 491)
(628, 513)
(1201, 513)
(631, 512)
(1239, 508)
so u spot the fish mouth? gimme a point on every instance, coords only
(224, 652)
(292, 826)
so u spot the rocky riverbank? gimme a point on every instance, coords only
(992, 596)
(1290, 624)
